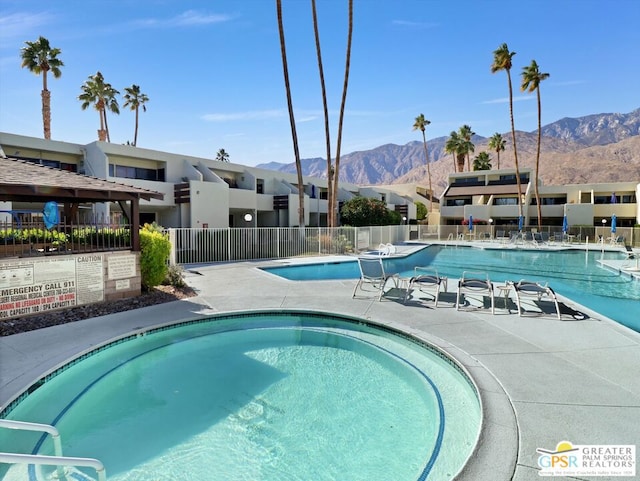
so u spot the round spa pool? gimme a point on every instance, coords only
(255, 396)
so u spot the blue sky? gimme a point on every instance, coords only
(213, 71)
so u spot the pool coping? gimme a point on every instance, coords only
(504, 449)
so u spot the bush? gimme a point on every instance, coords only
(362, 211)
(154, 254)
(174, 277)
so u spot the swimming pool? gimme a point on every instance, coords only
(263, 395)
(572, 273)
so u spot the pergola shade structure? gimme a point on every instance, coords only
(22, 181)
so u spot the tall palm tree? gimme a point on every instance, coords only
(421, 124)
(497, 143)
(222, 156)
(454, 146)
(482, 161)
(502, 60)
(40, 58)
(531, 78)
(465, 134)
(96, 92)
(292, 121)
(134, 99)
(336, 174)
(330, 217)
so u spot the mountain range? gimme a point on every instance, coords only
(591, 149)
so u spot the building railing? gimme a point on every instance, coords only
(201, 246)
(27, 235)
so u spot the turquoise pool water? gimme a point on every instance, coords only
(259, 396)
(572, 273)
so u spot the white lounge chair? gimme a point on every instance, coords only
(534, 289)
(616, 240)
(629, 252)
(477, 283)
(426, 278)
(372, 274)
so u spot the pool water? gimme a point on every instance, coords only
(572, 273)
(259, 397)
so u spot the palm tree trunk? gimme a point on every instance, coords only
(46, 113)
(294, 135)
(538, 160)
(342, 105)
(498, 152)
(515, 149)
(327, 133)
(460, 159)
(135, 134)
(106, 125)
(426, 158)
(102, 133)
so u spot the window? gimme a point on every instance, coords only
(458, 202)
(505, 201)
(127, 172)
(550, 200)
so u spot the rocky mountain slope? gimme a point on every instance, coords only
(595, 148)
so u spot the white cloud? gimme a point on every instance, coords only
(251, 115)
(185, 19)
(408, 23)
(505, 100)
(21, 23)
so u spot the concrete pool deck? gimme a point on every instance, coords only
(541, 380)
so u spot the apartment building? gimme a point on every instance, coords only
(198, 192)
(492, 195)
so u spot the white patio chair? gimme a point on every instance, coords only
(534, 289)
(426, 278)
(476, 283)
(372, 274)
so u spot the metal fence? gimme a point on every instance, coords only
(25, 234)
(193, 246)
(196, 246)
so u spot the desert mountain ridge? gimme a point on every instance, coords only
(591, 149)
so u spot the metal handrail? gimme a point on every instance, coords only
(43, 428)
(55, 461)
(58, 460)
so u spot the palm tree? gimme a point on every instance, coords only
(421, 123)
(222, 156)
(454, 146)
(292, 121)
(465, 134)
(497, 143)
(40, 58)
(502, 60)
(482, 161)
(531, 78)
(134, 99)
(327, 134)
(96, 92)
(336, 173)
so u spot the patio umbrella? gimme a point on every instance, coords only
(613, 224)
(565, 225)
(470, 223)
(520, 222)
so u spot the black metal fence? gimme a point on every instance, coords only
(24, 234)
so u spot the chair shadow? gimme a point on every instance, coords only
(548, 307)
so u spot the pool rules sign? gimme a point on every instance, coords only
(37, 285)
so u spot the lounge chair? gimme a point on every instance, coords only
(538, 239)
(534, 289)
(372, 273)
(426, 278)
(387, 249)
(616, 240)
(629, 252)
(475, 282)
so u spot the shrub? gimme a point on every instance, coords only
(154, 254)
(174, 277)
(363, 211)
